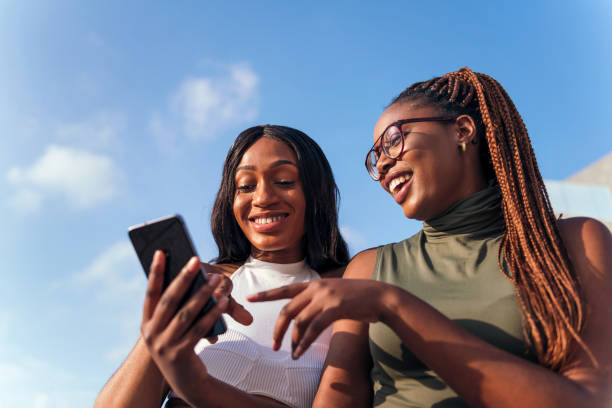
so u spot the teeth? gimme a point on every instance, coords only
(268, 220)
(397, 181)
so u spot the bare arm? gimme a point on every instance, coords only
(481, 374)
(345, 381)
(137, 382)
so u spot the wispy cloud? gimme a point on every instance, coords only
(115, 273)
(119, 284)
(207, 104)
(83, 179)
(101, 131)
(30, 381)
(355, 239)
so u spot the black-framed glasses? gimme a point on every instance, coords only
(391, 142)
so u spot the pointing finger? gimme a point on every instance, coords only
(283, 292)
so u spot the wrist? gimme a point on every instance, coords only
(389, 302)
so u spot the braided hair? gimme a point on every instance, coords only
(546, 285)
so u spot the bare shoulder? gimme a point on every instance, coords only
(589, 246)
(361, 265)
(225, 269)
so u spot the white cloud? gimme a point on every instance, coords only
(41, 400)
(207, 104)
(119, 283)
(30, 381)
(98, 132)
(164, 136)
(84, 179)
(354, 238)
(116, 274)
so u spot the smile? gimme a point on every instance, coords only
(262, 220)
(396, 184)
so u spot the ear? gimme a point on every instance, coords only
(466, 129)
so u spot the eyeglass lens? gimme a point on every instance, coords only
(371, 164)
(392, 142)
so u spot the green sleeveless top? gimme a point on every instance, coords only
(452, 264)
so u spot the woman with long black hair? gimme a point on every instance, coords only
(275, 223)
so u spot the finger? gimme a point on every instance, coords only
(213, 339)
(317, 324)
(188, 313)
(169, 301)
(283, 292)
(287, 313)
(239, 313)
(206, 322)
(225, 287)
(155, 284)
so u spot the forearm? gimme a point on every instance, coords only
(209, 392)
(345, 381)
(136, 383)
(482, 374)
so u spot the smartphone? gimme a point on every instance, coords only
(169, 234)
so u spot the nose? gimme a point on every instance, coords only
(383, 164)
(264, 194)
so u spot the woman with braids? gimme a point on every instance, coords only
(275, 222)
(495, 302)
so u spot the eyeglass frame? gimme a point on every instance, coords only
(399, 124)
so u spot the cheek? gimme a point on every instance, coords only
(239, 207)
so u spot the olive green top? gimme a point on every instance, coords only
(452, 264)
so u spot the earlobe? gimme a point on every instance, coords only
(466, 129)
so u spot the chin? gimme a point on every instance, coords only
(412, 210)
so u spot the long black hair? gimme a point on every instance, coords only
(324, 246)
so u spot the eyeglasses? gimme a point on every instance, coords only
(392, 142)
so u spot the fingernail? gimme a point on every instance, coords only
(193, 261)
(223, 302)
(297, 352)
(214, 280)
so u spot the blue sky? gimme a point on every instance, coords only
(113, 114)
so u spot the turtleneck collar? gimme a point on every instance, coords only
(478, 215)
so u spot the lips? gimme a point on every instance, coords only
(267, 219)
(396, 182)
(269, 222)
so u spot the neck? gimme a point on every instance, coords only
(282, 256)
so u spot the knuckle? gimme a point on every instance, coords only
(168, 301)
(184, 316)
(160, 349)
(285, 312)
(200, 330)
(151, 292)
(317, 325)
(300, 324)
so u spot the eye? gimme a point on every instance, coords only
(245, 188)
(392, 139)
(285, 183)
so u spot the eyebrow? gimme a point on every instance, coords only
(275, 164)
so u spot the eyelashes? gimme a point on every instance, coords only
(247, 188)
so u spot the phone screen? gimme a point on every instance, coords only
(169, 234)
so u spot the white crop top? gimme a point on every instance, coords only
(243, 356)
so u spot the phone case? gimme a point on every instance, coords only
(170, 235)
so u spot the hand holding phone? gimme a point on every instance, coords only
(169, 234)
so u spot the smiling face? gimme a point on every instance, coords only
(432, 173)
(269, 203)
